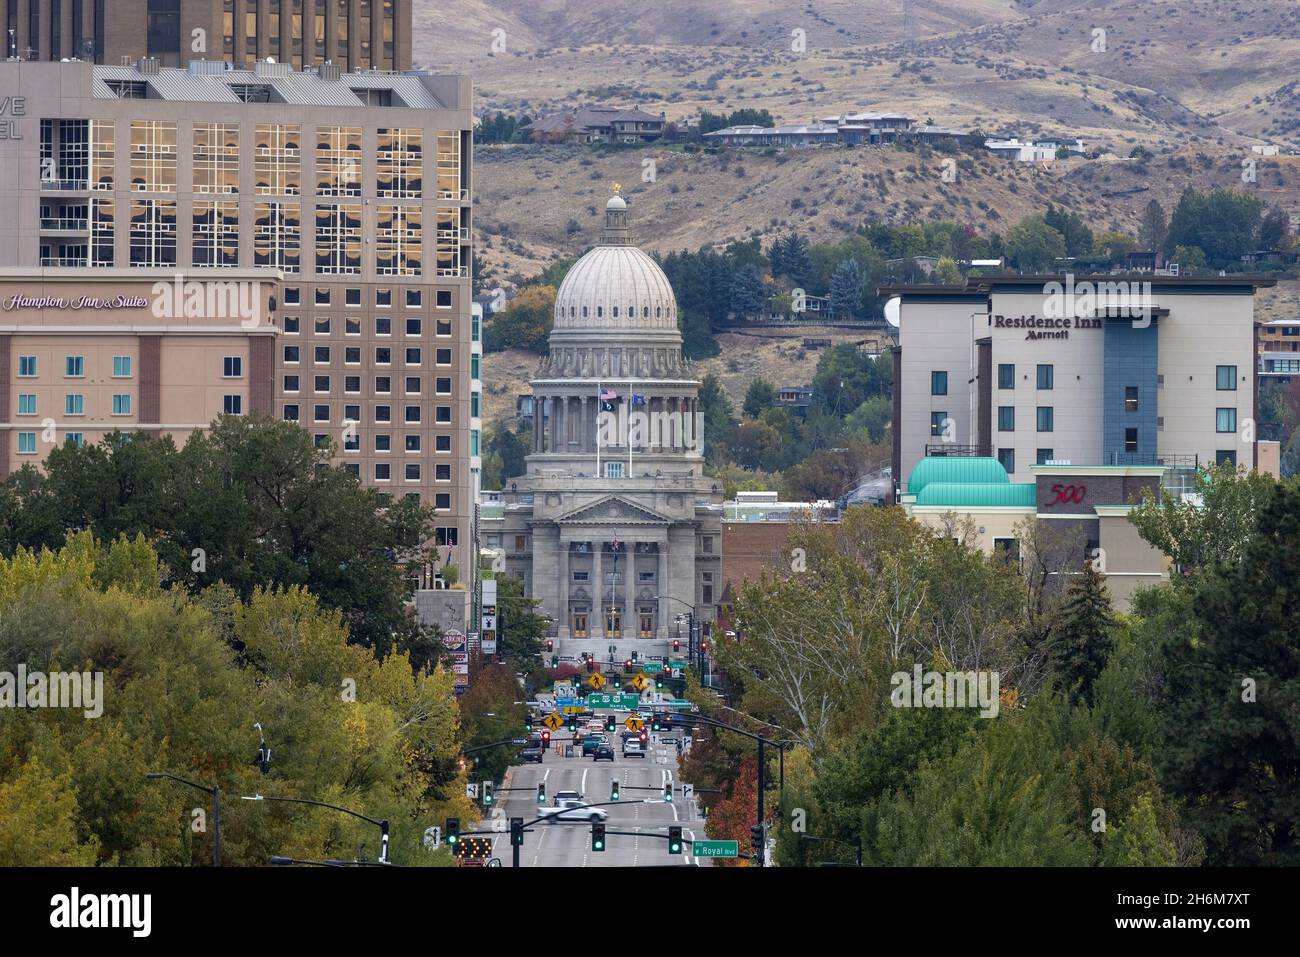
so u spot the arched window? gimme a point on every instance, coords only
(573, 311)
(616, 312)
(659, 312)
(584, 312)
(645, 312)
(600, 312)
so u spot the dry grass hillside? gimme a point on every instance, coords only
(1163, 72)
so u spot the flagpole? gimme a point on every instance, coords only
(599, 391)
(630, 409)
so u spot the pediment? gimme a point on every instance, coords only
(612, 510)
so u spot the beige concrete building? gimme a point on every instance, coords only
(352, 34)
(87, 352)
(355, 188)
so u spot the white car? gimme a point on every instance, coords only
(570, 810)
(632, 749)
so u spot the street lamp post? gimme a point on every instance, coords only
(215, 793)
(382, 825)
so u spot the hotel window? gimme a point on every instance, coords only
(383, 442)
(443, 328)
(443, 299)
(338, 239)
(352, 296)
(352, 327)
(103, 215)
(1225, 378)
(442, 443)
(351, 414)
(383, 298)
(1006, 418)
(352, 355)
(1046, 376)
(442, 472)
(398, 244)
(383, 384)
(382, 471)
(352, 384)
(26, 367)
(412, 413)
(216, 157)
(292, 325)
(412, 470)
(1130, 398)
(414, 327)
(613, 470)
(277, 160)
(291, 413)
(121, 367)
(474, 364)
(401, 163)
(153, 232)
(413, 356)
(153, 156)
(291, 383)
(1045, 456)
(383, 356)
(232, 367)
(1225, 457)
(321, 355)
(74, 404)
(936, 422)
(938, 383)
(442, 414)
(413, 443)
(74, 367)
(1006, 375)
(102, 163)
(412, 385)
(442, 386)
(321, 326)
(322, 295)
(383, 413)
(338, 161)
(277, 235)
(27, 403)
(290, 354)
(383, 326)
(122, 404)
(321, 384)
(1225, 420)
(292, 296)
(449, 239)
(320, 413)
(26, 443)
(475, 403)
(74, 438)
(215, 232)
(442, 501)
(448, 164)
(1006, 550)
(442, 357)
(1046, 418)
(351, 441)
(1130, 440)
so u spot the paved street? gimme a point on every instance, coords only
(568, 844)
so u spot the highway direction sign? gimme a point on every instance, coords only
(715, 848)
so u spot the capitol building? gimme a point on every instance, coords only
(614, 528)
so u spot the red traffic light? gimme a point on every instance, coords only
(546, 737)
(627, 665)
(550, 645)
(643, 736)
(704, 646)
(677, 645)
(589, 665)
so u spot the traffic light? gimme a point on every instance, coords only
(643, 737)
(541, 793)
(528, 722)
(613, 790)
(617, 681)
(704, 646)
(627, 665)
(573, 724)
(453, 831)
(634, 657)
(668, 793)
(590, 665)
(546, 738)
(654, 723)
(674, 840)
(609, 724)
(756, 837)
(677, 644)
(597, 837)
(659, 682)
(550, 645)
(555, 661)
(517, 831)
(487, 793)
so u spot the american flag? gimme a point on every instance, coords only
(608, 395)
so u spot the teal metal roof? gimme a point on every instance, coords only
(952, 469)
(979, 494)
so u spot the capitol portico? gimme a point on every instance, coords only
(614, 528)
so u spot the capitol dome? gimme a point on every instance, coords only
(616, 286)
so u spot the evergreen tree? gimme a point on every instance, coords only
(1151, 233)
(747, 294)
(798, 265)
(1273, 229)
(1083, 635)
(759, 397)
(1231, 747)
(846, 289)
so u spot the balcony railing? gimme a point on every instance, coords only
(69, 261)
(947, 448)
(65, 185)
(58, 223)
(1168, 460)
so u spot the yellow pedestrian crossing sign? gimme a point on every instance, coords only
(553, 721)
(597, 681)
(640, 682)
(634, 723)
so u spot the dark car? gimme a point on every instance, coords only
(602, 752)
(591, 742)
(534, 752)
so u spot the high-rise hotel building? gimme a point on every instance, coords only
(349, 193)
(352, 34)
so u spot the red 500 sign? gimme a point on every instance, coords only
(1068, 494)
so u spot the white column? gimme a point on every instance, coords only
(631, 624)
